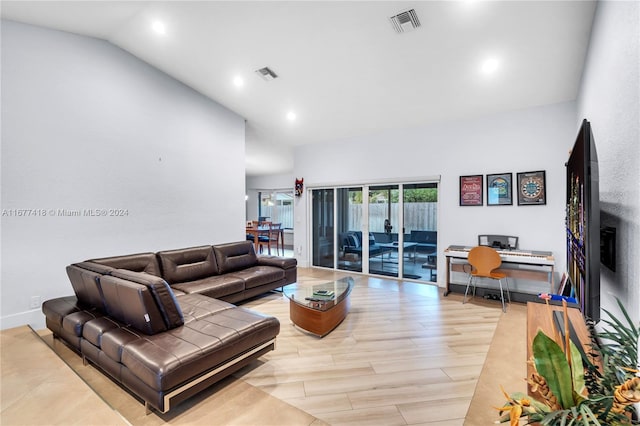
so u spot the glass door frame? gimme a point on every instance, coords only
(347, 259)
(365, 222)
(388, 251)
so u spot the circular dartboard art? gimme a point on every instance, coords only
(531, 187)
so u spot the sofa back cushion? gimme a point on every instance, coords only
(141, 262)
(162, 293)
(95, 267)
(424, 237)
(235, 256)
(132, 304)
(188, 264)
(353, 240)
(86, 286)
(372, 238)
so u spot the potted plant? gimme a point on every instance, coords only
(573, 389)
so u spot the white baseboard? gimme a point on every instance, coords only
(35, 318)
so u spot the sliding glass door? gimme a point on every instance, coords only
(349, 225)
(388, 230)
(323, 253)
(385, 255)
(420, 225)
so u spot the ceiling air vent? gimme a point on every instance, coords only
(405, 21)
(266, 74)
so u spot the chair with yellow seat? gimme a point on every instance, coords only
(484, 262)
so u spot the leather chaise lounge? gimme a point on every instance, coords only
(162, 325)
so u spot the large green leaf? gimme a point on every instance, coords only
(577, 371)
(552, 364)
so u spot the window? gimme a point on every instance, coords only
(276, 206)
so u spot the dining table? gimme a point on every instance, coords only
(264, 230)
(256, 231)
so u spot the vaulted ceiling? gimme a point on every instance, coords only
(342, 69)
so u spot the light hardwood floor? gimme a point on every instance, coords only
(405, 355)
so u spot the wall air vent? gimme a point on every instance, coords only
(266, 74)
(405, 21)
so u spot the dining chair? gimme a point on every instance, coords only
(275, 235)
(250, 236)
(484, 262)
(265, 238)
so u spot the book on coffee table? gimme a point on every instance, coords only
(323, 293)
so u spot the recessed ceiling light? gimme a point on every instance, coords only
(291, 116)
(490, 65)
(238, 81)
(159, 27)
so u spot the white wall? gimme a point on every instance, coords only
(610, 100)
(86, 125)
(517, 141)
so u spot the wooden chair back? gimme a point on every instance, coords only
(484, 260)
(274, 228)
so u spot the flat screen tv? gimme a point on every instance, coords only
(583, 223)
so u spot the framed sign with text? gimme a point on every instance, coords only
(471, 190)
(532, 189)
(499, 191)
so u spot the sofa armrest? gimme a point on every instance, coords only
(56, 309)
(277, 261)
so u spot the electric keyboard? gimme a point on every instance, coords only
(513, 256)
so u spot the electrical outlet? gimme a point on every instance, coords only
(35, 302)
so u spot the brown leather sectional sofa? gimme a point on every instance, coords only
(162, 324)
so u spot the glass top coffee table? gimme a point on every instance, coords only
(319, 308)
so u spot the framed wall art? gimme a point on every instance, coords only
(499, 192)
(471, 190)
(532, 189)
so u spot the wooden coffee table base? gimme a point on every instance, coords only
(319, 322)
